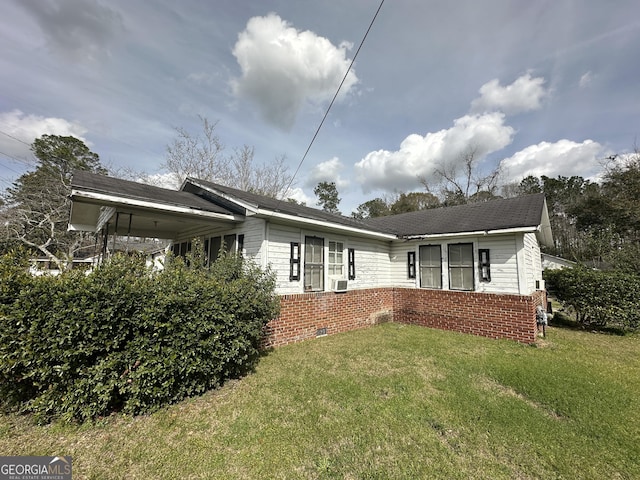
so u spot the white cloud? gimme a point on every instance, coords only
(26, 128)
(523, 95)
(299, 196)
(328, 171)
(283, 68)
(564, 157)
(418, 156)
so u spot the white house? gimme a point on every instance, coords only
(552, 262)
(481, 256)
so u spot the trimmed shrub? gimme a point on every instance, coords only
(599, 298)
(125, 338)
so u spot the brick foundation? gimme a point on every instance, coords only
(305, 316)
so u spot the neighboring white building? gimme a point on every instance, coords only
(551, 262)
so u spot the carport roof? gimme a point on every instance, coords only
(117, 187)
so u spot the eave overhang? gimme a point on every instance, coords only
(112, 200)
(91, 211)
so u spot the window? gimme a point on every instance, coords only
(294, 262)
(411, 264)
(430, 266)
(351, 261)
(215, 244)
(461, 266)
(313, 264)
(240, 244)
(181, 249)
(230, 243)
(336, 259)
(485, 265)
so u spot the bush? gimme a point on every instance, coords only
(124, 338)
(598, 297)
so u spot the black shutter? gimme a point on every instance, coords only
(294, 262)
(485, 265)
(351, 262)
(411, 264)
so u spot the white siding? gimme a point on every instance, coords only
(533, 262)
(504, 264)
(502, 251)
(253, 230)
(278, 250)
(372, 261)
(371, 258)
(398, 268)
(514, 258)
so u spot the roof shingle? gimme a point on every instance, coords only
(497, 214)
(282, 206)
(102, 184)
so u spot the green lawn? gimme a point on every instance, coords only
(388, 402)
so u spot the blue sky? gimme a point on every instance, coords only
(544, 87)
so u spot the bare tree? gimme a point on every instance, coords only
(461, 182)
(199, 156)
(203, 156)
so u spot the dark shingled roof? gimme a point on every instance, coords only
(491, 215)
(283, 206)
(124, 188)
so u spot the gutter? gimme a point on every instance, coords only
(475, 234)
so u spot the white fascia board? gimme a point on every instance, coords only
(72, 227)
(475, 234)
(131, 202)
(320, 223)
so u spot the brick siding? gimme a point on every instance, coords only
(305, 316)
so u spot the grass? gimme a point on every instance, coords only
(388, 402)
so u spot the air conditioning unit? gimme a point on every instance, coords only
(339, 285)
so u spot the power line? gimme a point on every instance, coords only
(19, 160)
(334, 97)
(15, 138)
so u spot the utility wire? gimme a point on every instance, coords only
(334, 97)
(16, 159)
(15, 138)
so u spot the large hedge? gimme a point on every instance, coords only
(125, 338)
(598, 297)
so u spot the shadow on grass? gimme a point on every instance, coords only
(562, 319)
